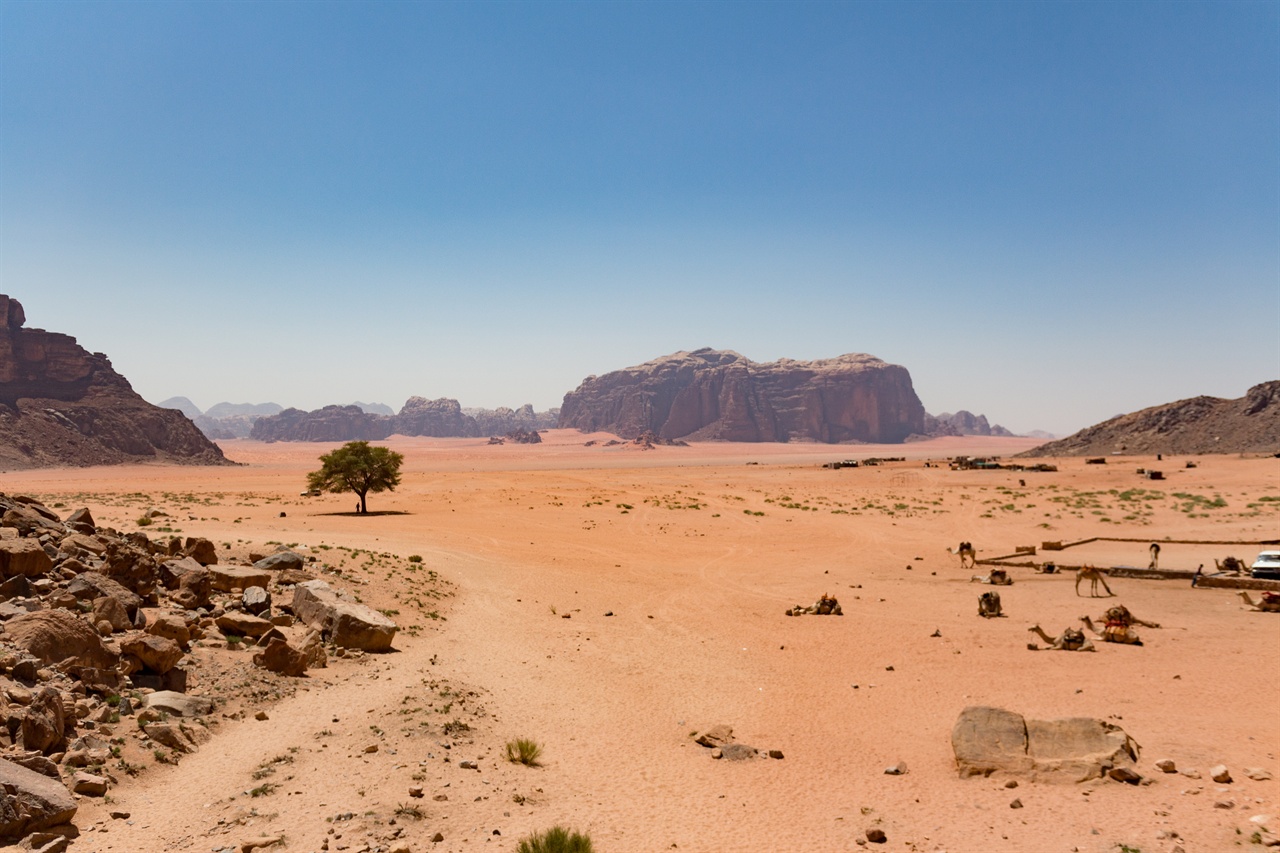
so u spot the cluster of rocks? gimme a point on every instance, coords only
(96, 625)
(719, 739)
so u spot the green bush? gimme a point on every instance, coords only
(143, 521)
(524, 751)
(555, 840)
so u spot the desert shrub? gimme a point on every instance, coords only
(415, 558)
(555, 840)
(143, 521)
(523, 751)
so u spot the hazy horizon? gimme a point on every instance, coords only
(1049, 213)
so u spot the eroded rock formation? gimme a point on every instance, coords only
(1249, 424)
(709, 394)
(61, 405)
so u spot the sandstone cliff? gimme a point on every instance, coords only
(61, 405)
(1250, 424)
(962, 423)
(720, 395)
(332, 423)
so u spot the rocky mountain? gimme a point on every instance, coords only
(374, 408)
(62, 405)
(441, 418)
(720, 395)
(1250, 424)
(502, 420)
(182, 404)
(962, 423)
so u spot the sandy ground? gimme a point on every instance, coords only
(696, 553)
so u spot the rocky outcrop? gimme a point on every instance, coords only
(719, 395)
(440, 418)
(990, 740)
(345, 623)
(332, 423)
(1249, 424)
(502, 420)
(31, 801)
(962, 423)
(63, 406)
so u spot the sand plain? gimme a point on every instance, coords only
(697, 553)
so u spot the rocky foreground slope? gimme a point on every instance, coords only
(1250, 424)
(720, 395)
(61, 405)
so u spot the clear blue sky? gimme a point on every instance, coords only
(1050, 213)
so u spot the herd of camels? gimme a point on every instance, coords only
(1117, 624)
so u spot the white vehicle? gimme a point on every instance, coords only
(1266, 566)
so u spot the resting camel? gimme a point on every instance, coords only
(966, 550)
(1070, 641)
(989, 605)
(1230, 564)
(1155, 556)
(1095, 576)
(824, 606)
(998, 577)
(1114, 632)
(1269, 603)
(1120, 615)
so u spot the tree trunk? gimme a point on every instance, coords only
(364, 510)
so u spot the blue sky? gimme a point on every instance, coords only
(1050, 213)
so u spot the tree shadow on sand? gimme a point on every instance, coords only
(369, 514)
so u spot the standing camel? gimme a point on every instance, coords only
(1155, 556)
(1095, 576)
(966, 551)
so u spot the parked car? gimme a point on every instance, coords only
(1266, 566)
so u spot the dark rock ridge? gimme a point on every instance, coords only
(720, 395)
(1249, 424)
(61, 405)
(962, 423)
(442, 418)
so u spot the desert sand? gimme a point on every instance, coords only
(697, 553)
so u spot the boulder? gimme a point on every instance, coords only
(28, 522)
(157, 654)
(88, 784)
(345, 623)
(201, 550)
(987, 740)
(82, 521)
(243, 624)
(180, 704)
(44, 725)
(715, 736)
(76, 542)
(313, 648)
(229, 578)
(111, 611)
(23, 557)
(178, 736)
(256, 600)
(31, 801)
(280, 657)
(281, 560)
(90, 586)
(194, 589)
(55, 635)
(172, 571)
(172, 628)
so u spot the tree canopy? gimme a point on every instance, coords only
(358, 467)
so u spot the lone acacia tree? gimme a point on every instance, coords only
(357, 467)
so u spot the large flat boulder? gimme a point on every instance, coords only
(228, 578)
(989, 740)
(23, 557)
(30, 801)
(180, 704)
(55, 635)
(344, 622)
(90, 586)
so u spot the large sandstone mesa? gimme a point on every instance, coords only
(441, 418)
(720, 395)
(61, 405)
(332, 423)
(1250, 424)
